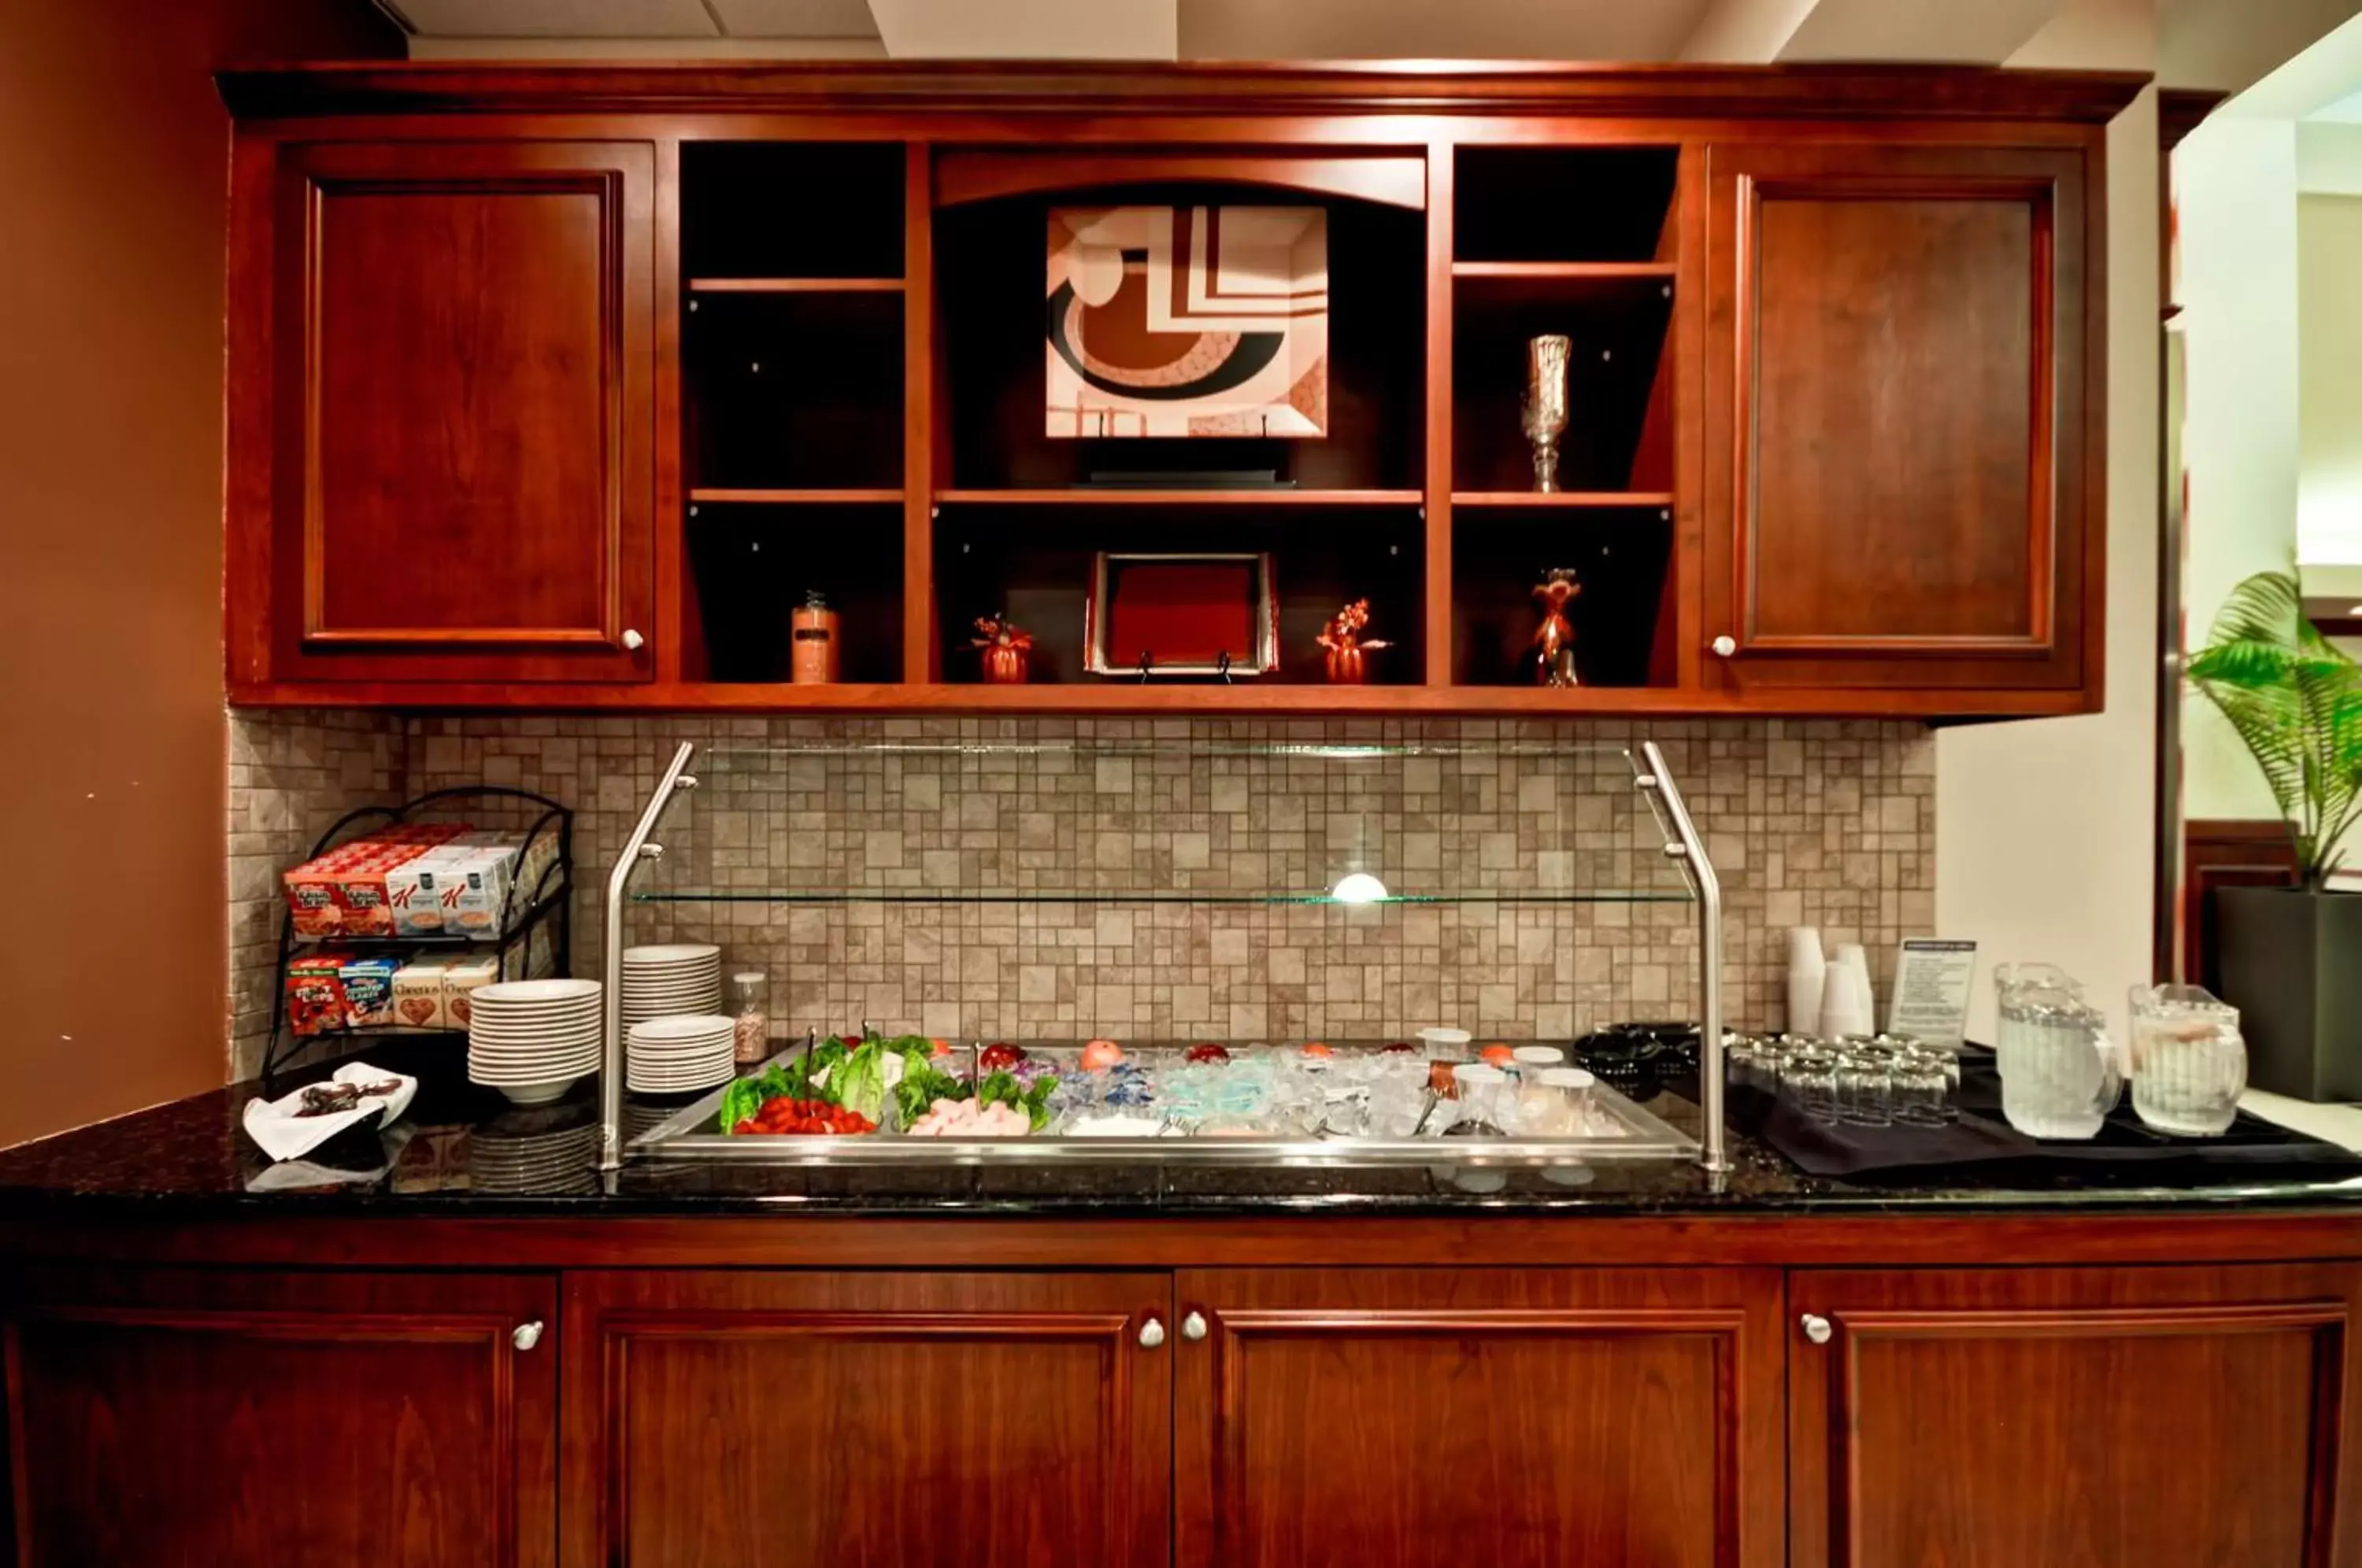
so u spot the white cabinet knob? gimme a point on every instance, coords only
(526, 1335)
(1152, 1334)
(633, 640)
(1193, 1327)
(1817, 1327)
(1725, 646)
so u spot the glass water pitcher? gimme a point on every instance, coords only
(2058, 1074)
(2188, 1060)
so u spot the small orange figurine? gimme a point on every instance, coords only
(1345, 645)
(1553, 643)
(1006, 652)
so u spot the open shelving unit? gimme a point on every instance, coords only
(861, 414)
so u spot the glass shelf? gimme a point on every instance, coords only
(1184, 821)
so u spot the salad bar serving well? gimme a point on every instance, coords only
(908, 1099)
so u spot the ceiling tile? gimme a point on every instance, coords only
(559, 18)
(796, 19)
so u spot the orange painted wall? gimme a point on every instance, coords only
(114, 158)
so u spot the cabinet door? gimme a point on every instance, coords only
(463, 482)
(1403, 1418)
(2132, 1417)
(189, 1417)
(1902, 388)
(754, 1420)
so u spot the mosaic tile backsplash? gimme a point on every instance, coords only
(1826, 823)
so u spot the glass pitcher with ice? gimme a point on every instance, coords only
(2058, 1074)
(2188, 1060)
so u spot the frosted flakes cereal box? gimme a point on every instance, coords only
(368, 990)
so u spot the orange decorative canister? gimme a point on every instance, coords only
(811, 649)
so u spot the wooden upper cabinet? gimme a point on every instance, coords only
(1901, 397)
(460, 422)
(2118, 1417)
(171, 1417)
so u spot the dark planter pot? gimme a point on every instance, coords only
(2292, 964)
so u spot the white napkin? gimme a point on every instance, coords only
(282, 1134)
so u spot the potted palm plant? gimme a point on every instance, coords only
(2291, 957)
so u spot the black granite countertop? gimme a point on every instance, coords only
(462, 1149)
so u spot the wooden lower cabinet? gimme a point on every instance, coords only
(2146, 1418)
(2137, 1417)
(761, 1419)
(313, 1420)
(1402, 1418)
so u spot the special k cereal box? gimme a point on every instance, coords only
(473, 891)
(413, 893)
(418, 993)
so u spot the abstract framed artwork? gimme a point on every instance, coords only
(1187, 321)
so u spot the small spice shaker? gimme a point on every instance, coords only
(753, 1037)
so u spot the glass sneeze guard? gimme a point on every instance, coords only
(1166, 820)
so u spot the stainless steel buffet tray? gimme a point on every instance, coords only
(691, 1133)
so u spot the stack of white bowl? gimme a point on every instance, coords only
(532, 1038)
(544, 1152)
(674, 1055)
(676, 980)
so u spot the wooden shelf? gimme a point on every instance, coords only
(800, 497)
(1567, 270)
(1580, 499)
(795, 285)
(1119, 496)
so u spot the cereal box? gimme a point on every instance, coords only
(315, 993)
(418, 993)
(368, 990)
(458, 980)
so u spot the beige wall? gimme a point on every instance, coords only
(113, 154)
(2329, 376)
(2044, 828)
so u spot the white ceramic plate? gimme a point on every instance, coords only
(503, 992)
(671, 953)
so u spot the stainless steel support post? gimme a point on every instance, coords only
(636, 849)
(1690, 850)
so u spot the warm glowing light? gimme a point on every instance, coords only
(1358, 887)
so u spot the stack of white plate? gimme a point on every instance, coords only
(532, 1038)
(672, 1056)
(670, 981)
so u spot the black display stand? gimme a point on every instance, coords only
(550, 902)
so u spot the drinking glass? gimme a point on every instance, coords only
(2189, 1061)
(1920, 1087)
(1809, 1076)
(1864, 1076)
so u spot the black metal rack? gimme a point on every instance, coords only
(550, 903)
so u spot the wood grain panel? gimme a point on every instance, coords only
(1895, 411)
(2224, 854)
(792, 1419)
(2131, 1416)
(1372, 1418)
(307, 1421)
(464, 404)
